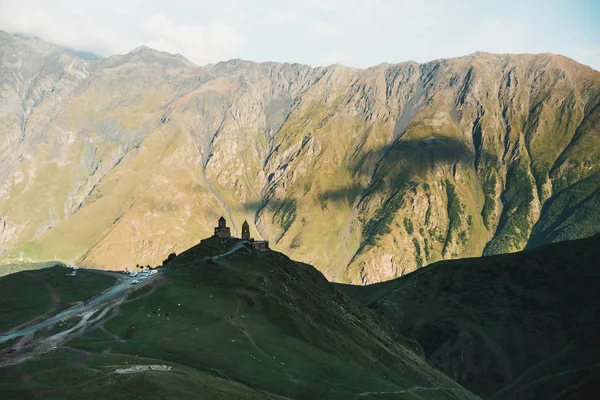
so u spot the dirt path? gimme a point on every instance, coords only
(238, 246)
(143, 368)
(90, 313)
(412, 389)
(117, 291)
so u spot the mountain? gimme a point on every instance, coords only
(519, 326)
(217, 322)
(366, 174)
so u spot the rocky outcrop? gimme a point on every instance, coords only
(366, 174)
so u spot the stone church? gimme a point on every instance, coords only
(222, 231)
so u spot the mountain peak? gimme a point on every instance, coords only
(144, 49)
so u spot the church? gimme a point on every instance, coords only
(222, 231)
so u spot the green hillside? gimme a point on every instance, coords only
(507, 327)
(247, 325)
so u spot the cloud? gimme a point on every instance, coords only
(337, 58)
(200, 43)
(29, 18)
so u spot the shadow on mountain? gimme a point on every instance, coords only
(411, 159)
(348, 194)
(272, 204)
(388, 169)
(404, 163)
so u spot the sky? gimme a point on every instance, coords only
(358, 33)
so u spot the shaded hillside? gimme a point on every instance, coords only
(8, 269)
(515, 326)
(366, 174)
(245, 325)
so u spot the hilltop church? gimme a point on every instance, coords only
(222, 231)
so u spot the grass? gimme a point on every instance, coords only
(488, 185)
(454, 216)
(571, 214)
(181, 383)
(514, 226)
(408, 225)
(58, 377)
(52, 360)
(379, 224)
(95, 341)
(22, 298)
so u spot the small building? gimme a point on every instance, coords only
(222, 230)
(245, 231)
(262, 245)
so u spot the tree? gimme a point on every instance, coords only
(170, 258)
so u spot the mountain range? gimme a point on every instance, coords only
(367, 174)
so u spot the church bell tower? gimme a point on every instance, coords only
(245, 231)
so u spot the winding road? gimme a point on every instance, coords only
(123, 284)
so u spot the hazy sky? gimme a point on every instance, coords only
(317, 32)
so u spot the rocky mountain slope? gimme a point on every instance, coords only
(366, 174)
(517, 326)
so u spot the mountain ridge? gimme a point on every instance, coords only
(365, 173)
(383, 63)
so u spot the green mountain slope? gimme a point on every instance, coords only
(571, 213)
(366, 174)
(514, 326)
(246, 325)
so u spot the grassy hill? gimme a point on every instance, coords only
(514, 326)
(247, 325)
(8, 269)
